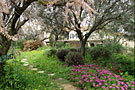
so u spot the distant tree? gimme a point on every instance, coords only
(53, 20)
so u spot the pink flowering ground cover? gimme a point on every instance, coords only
(93, 77)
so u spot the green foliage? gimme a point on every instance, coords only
(73, 50)
(51, 52)
(99, 52)
(74, 58)
(51, 39)
(114, 47)
(125, 63)
(2, 72)
(67, 45)
(61, 54)
(59, 44)
(19, 44)
(13, 79)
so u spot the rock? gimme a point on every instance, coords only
(51, 74)
(31, 66)
(41, 71)
(24, 60)
(60, 79)
(25, 64)
(34, 69)
(68, 86)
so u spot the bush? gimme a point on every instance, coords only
(114, 47)
(31, 45)
(61, 54)
(51, 52)
(19, 44)
(73, 50)
(124, 63)
(60, 44)
(13, 79)
(99, 53)
(74, 58)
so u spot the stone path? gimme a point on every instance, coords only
(67, 86)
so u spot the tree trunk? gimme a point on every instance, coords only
(5, 47)
(56, 38)
(83, 43)
(6, 43)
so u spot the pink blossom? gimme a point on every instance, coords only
(85, 88)
(122, 88)
(103, 86)
(110, 86)
(76, 78)
(93, 84)
(107, 88)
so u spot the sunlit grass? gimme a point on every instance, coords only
(39, 59)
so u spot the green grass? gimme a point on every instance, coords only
(33, 80)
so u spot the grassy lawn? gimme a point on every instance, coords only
(40, 81)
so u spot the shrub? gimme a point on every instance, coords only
(2, 72)
(51, 52)
(32, 45)
(60, 44)
(61, 54)
(19, 44)
(74, 58)
(125, 63)
(13, 79)
(114, 47)
(73, 50)
(99, 53)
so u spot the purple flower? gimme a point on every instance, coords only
(120, 78)
(93, 84)
(122, 83)
(122, 88)
(85, 88)
(117, 87)
(76, 78)
(110, 86)
(106, 84)
(97, 85)
(113, 84)
(100, 84)
(107, 88)
(132, 82)
(91, 80)
(103, 86)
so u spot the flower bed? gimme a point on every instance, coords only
(89, 77)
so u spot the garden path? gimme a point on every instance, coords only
(65, 86)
